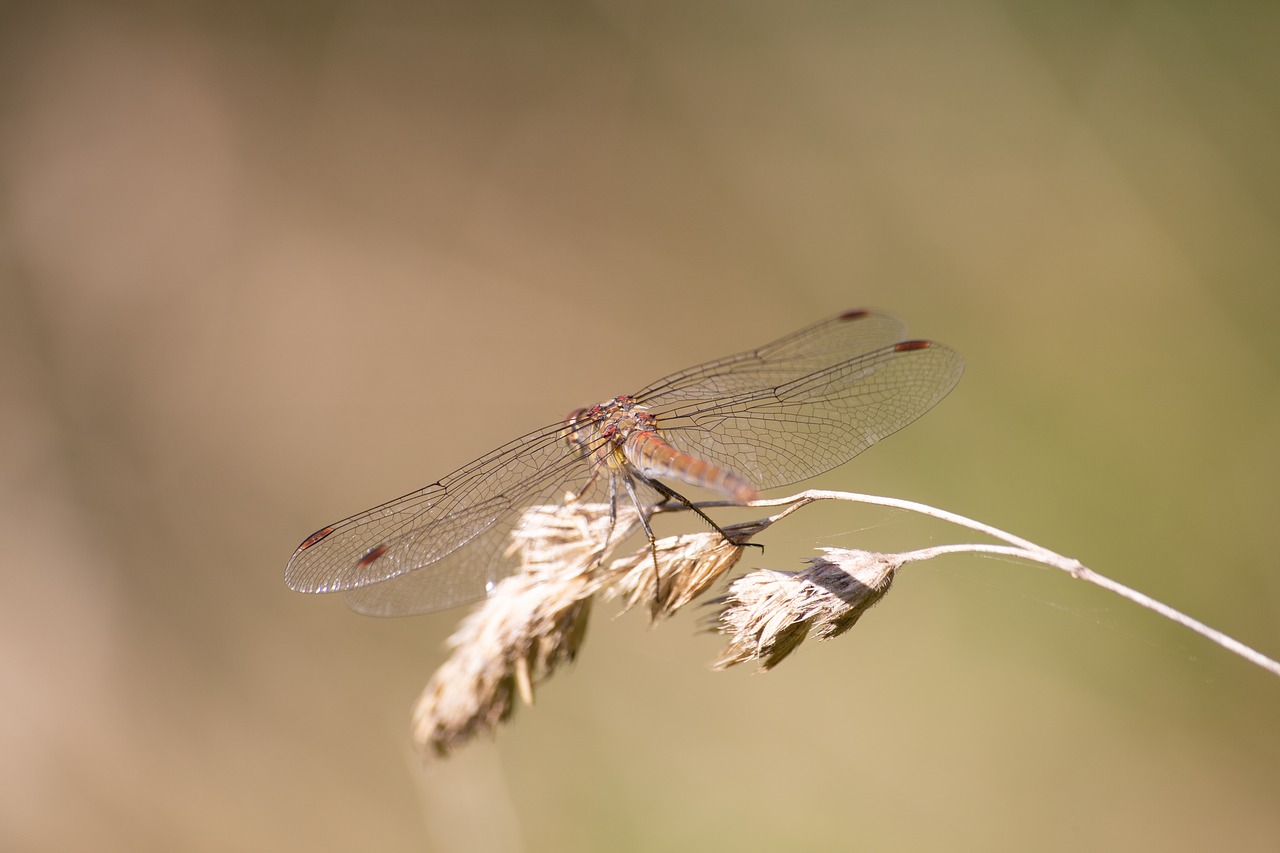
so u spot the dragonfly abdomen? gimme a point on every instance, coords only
(650, 454)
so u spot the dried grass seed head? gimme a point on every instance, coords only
(767, 614)
(533, 622)
(686, 567)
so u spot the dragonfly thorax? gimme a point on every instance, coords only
(600, 432)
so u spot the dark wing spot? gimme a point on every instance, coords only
(854, 314)
(371, 556)
(314, 538)
(907, 346)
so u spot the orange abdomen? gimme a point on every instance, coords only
(652, 456)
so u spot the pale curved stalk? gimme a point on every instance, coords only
(535, 621)
(1019, 548)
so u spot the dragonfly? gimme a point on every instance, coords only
(736, 426)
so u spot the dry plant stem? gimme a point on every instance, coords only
(1022, 549)
(535, 621)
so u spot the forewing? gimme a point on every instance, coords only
(780, 434)
(451, 580)
(474, 506)
(812, 349)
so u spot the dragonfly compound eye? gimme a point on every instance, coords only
(574, 432)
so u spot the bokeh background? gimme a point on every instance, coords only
(263, 265)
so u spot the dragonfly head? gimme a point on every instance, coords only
(579, 426)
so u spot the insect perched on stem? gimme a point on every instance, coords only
(757, 420)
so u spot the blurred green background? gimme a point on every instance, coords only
(266, 265)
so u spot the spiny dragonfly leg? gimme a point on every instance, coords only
(672, 495)
(613, 513)
(653, 542)
(613, 517)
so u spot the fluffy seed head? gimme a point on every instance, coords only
(767, 614)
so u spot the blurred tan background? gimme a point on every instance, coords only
(265, 265)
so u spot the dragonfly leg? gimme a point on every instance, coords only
(671, 494)
(653, 542)
(613, 515)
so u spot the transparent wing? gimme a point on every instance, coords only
(778, 434)
(807, 351)
(457, 526)
(453, 580)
